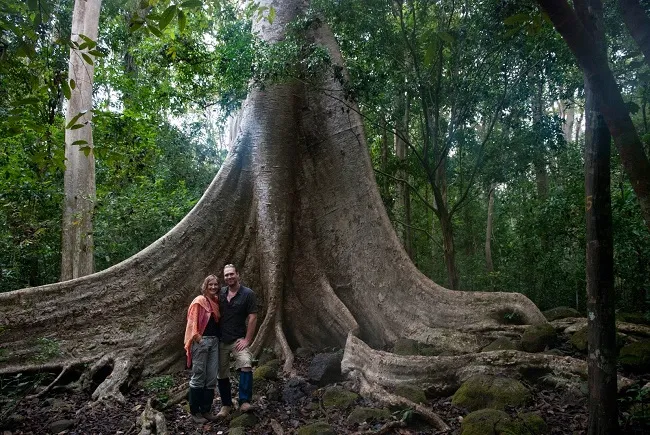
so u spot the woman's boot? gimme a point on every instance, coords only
(195, 398)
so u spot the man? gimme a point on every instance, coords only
(238, 320)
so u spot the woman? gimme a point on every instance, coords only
(202, 349)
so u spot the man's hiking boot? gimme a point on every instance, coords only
(210, 417)
(246, 407)
(198, 419)
(224, 412)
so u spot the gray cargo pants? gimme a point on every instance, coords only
(205, 363)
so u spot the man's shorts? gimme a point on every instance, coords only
(243, 359)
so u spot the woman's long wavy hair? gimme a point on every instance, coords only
(204, 286)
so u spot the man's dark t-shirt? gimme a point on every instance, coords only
(235, 312)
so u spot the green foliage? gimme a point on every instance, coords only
(159, 386)
(46, 349)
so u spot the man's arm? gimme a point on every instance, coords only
(250, 331)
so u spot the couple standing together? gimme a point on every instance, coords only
(220, 322)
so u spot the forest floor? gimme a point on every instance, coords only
(66, 412)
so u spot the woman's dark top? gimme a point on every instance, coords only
(212, 328)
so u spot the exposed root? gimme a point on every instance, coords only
(152, 422)
(287, 353)
(386, 428)
(374, 391)
(52, 384)
(444, 374)
(277, 428)
(177, 397)
(48, 367)
(113, 373)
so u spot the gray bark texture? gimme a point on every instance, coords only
(296, 207)
(77, 247)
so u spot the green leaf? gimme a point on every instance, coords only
(73, 84)
(71, 123)
(271, 16)
(96, 53)
(192, 4)
(77, 126)
(79, 142)
(167, 17)
(86, 150)
(182, 21)
(66, 90)
(446, 37)
(87, 58)
(514, 20)
(153, 29)
(135, 25)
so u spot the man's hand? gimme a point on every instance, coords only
(241, 344)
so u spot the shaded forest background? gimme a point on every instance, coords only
(462, 103)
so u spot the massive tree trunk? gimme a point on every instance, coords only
(601, 301)
(608, 96)
(297, 208)
(77, 248)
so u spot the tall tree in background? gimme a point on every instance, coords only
(609, 99)
(601, 359)
(638, 24)
(77, 250)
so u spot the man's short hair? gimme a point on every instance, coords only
(230, 265)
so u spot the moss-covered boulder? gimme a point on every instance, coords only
(237, 431)
(636, 357)
(639, 318)
(579, 339)
(268, 371)
(484, 422)
(537, 337)
(501, 343)
(411, 392)
(246, 419)
(361, 414)
(495, 422)
(338, 397)
(495, 392)
(406, 346)
(561, 313)
(318, 428)
(266, 356)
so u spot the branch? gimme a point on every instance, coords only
(400, 180)
(638, 24)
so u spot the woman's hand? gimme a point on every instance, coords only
(197, 338)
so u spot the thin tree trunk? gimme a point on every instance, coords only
(401, 136)
(601, 360)
(77, 250)
(610, 102)
(453, 280)
(579, 126)
(488, 230)
(541, 174)
(383, 185)
(638, 24)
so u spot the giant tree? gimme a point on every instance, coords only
(296, 207)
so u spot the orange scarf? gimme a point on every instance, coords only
(198, 315)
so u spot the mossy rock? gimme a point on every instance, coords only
(639, 318)
(484, 422)
(406, 346)
(237, 431)
(361, 414)
(528, 423)
(636, 357)
(501, 343)
(318, 428)
(495, 392)
(268, 371)
(561, 313)
(266, 356)
(579, 339)
(537, 337)
(244, 420)
(338, 397)
(413, 393)
(496, 422)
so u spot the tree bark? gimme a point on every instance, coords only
(488, 230)
(77, 248)
(638, 24)
(296, 207)
(401, 136)
(601, 300)
(609, 100)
